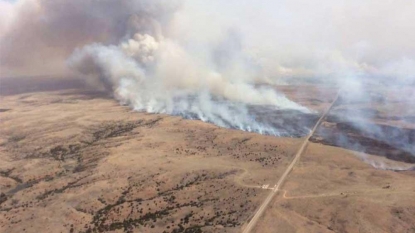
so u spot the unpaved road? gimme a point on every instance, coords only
(297, 156)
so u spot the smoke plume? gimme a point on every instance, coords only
(288, 41)
(214, 60)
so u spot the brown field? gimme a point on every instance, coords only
(74, 160)
(331, 190)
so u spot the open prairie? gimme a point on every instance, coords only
(168, 116)
(74, 160)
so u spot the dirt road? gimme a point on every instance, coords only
(281, 180)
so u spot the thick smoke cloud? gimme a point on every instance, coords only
(130, 48)
(37, 36)
(210, 59)
(156, 74)
(299, 38)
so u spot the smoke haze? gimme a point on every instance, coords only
(209, 60)
(305, 39)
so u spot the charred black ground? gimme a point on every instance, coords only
(359, 129)
(341, 128)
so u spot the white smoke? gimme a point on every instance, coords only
(384, 164)
(210, 59)
(160, 76)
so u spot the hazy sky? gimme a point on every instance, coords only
(286, 38)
